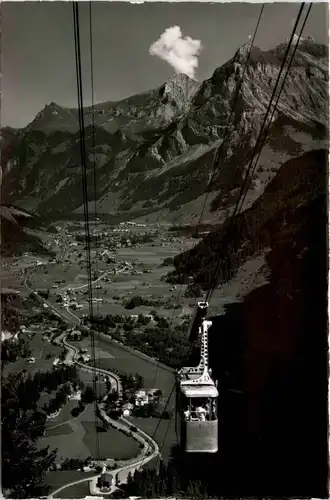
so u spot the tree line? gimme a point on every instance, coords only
(168, 343)
(166, 482)
(24, 465)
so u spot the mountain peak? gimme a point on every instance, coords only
(176, 84)
(52, 105)
(180, 78)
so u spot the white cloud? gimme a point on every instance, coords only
(180, 52)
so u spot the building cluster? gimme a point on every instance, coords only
(69, 299)
(141, 398)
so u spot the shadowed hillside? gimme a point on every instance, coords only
(298, 182)
(269, 354)
(273, 347)
(15, 240)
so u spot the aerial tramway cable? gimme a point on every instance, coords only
(260, 140)
(215, 162)
(75, 7)
(214, 167)
(96, 239)
(280, 92)
(242, 192)
(219, 150)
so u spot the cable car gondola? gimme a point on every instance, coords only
(197, 423)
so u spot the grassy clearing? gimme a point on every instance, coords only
(80, 490)
(40, 348)
(125, 361)
(77, 439)
(67, 445)
(64, 415)
(56, 479)
(113, 444)
(61, 430)
(165, 435)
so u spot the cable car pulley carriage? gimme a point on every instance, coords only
(197, 422)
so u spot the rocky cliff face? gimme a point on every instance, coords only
(154, 151)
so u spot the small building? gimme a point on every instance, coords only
(84, 357)
(141, 398)
(127, 409)
(105, 482)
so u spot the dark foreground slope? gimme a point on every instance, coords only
(269, 354)
(15, 238)
(298, 182)
(273, 347)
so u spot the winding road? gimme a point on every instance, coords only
(149, 442)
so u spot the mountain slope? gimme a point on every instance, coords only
(15, 237)
(269, 350)
(286, 198)
(273, 348)
(154, 151)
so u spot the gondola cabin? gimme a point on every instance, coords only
(197, 394)
(197, 407)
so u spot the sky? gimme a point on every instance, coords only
(37, 47)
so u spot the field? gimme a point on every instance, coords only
(80, 490)
(147, 258)
(77, 438)
(61, 418)
(40, 349)
(56, 479)
(154, 376)
(165, 434)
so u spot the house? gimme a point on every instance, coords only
(141, 398)
(84, 357)
(75, 396)
(127, 409)
(105, 482)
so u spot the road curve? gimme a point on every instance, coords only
(150, 442)
(77, 322)
(114, 378)
(148, 439)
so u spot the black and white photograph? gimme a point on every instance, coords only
(164, 249)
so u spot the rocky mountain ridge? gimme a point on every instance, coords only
(154, 151)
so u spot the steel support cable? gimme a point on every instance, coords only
(217, 156)
(219, 150)
(75, 7)
(274, 109)
(160, 419)
(279, 94)
(96, 239)
(170, 326)
(171, 417)
(214, 171)
(255, 151)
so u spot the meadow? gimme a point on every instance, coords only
(77, 438)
